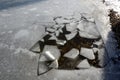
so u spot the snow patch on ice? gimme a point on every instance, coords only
(46, 11)
(25, 12)
(56, 2)
(33, 9)
(55, 79)
(5, 15)
(2, 33)
(37, 15)
(24, 51)
(10, 32)
(21, 34)
(2, 45)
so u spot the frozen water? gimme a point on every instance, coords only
(70, 36)
(42, 67)
(83, 64)
(60, 42)
(33, 9)
(54, 64)
(80, 26)
(53, 37)
(50, 29)
(21, 34)
(22, 65)
(102, 56)
(72, 54)
(88, 16)
(57, 33)
(52, 52)
(95, 50)
(43, 58)
(98, 43)
(35, 48)
(87, 35)
(88, 53)
(76, 16)
(88, 29)
(91, 29)
(72, 26)
(62, 21)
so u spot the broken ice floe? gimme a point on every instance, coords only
(80, 26)
(60, 20)
(84, 64)
(53, 37)
(54, 64)
(60, 42)
(87, 35)
(70, 36)
(88, 53)
(42, 68)
(47, 56)
(35, 48)
(57, 33)
(51, 52)
(50, 30)
(72, 54)
(88, 30)
(71, 26)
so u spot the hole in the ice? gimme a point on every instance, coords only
(72, 45)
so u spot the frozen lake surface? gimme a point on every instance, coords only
(21, 25)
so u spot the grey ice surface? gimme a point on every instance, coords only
(71, 55)
(51, 52)
(21, 25)
(88, 53)
(70, 36)
(84, 64)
